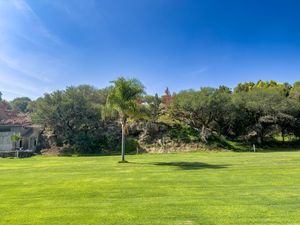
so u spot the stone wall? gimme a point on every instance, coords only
(29, 137)
(5, 141)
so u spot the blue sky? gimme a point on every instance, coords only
(50, 44)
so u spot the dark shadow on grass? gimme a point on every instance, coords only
(191, 165)
(108, 153)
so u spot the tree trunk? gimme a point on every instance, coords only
(123, 143)
(283, 136)
(203, 134)
(259, 139)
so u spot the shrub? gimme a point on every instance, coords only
(131, 146)
(185, 134)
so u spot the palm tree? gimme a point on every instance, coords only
(123, 100)
(15, 138)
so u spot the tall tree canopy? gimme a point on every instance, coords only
(206, 110)
(21, 104)
(74, 116)
(123, 100)
(256, 112)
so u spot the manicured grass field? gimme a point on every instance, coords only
(186, 188)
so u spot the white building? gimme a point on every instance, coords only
(13, 123)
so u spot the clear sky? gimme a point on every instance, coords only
(50, 44)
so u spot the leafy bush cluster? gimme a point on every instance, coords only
(252, 112)
(74, 116)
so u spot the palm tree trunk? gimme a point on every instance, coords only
(123, 143)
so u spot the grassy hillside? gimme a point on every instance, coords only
(186, 188)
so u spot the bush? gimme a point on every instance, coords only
(131, 146)
(185, 134)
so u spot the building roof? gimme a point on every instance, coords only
(28, 132)
(11, 117)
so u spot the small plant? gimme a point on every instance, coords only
(15, 138)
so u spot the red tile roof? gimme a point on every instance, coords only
(10, 117)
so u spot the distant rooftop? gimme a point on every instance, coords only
(11, 117)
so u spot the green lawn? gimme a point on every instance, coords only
(186, 188)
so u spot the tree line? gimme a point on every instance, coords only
(90, 119)
(252, 112)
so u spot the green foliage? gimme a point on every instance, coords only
(244, 87)
(206, 110)
(16, 137)
(184, 134)
(74, 116)
(295, 91)
(123, 98)
(253, 112)
(131, 146)
(248, 86)
(21, 104)
(263, 111)
(153, 106)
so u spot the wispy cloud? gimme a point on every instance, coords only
(19, 67)
(84, 14)
(16, 85)
(30, 54)
(200, 70)
(39, 27)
